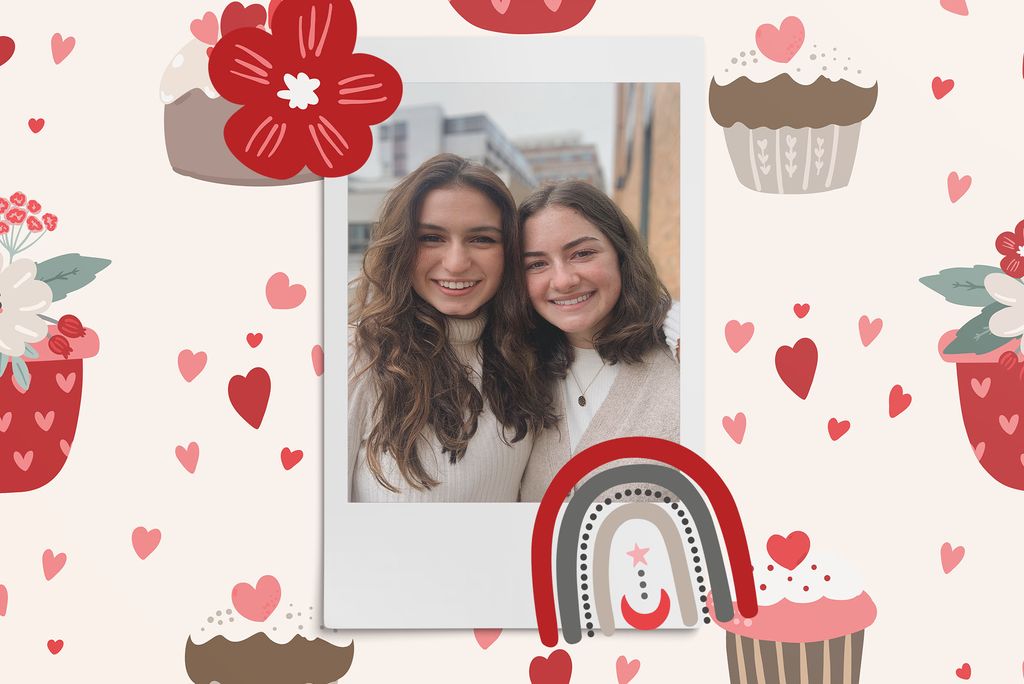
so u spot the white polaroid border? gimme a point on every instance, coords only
(439, 566)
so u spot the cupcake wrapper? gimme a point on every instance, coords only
(793, 160)
(753, 661)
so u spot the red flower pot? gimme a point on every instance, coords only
(37, 426)
(992, 403)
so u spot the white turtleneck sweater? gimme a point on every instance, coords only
(490, 470)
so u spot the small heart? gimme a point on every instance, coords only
(257, 603)
(191, 365)
(236, 15)
(6, 49)
(55, 645)
(801, 309)
(254, 339)
(964, 671)
(955, 6)
(789, 551)
(44, 422)
(282, 295)
(318, 359)
(898, 401)
(3, 600)
(486, 637)
(289, 458)
(36, 125)
(145, 541)
(782, 43)
(61, 47)
(501, 5)
(957, 186)
(869, 329)
(625, 670)
(1009, 425)
(979, 450)
(52, 564)
(249, 395)
(66, 382)
(796, 365)
(981, 388)
(23, 460)
(941, 88)
(555, 669)
(188, 456)
(950, 557)
(65, 446)
(738, 334)
(205, 29)
(837, 429)
(5, 421)
(735, 427)
(553, 5)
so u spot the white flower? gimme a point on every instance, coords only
(1008, 322)
(22, 298)
(300, 91)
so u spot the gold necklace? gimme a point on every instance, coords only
(582, 399)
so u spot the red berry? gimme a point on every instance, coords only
(50, 221)
(70, 326)
(34, 225)
(1008, 360)
(16, 216)
(34, 206)
(18, 199)
(59, 345)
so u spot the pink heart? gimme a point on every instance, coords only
(65, 447)
(486, 637)
(735, 427)
(981, 388)
(955, 6)
(188, 457)
(205, 29)
(145, 541)
(957, 186)
(738, 334)
(61, 47)
(190, 365)
(3, 600)
(282, 295)
(44, 422)
(318, 359)
(66, 382)
(53, 564)
(979, 450)
(501, 5)
(625, 670)
(780, 44)
(5, 421)
(553, 5)
(257, 603)
(1009, 425)
(951, 557)
(869, 329)
(23, 461)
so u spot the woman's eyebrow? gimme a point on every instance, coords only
(478, 229)
(577, 241)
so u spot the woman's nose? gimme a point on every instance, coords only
(456, 258)
(565, 278)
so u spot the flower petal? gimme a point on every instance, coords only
(1004, 289)
(1008, 322)
(316, 31)
(336, 147)
(268, 141)
(247, 64)
(1007, 243)
(1013, 265)
(369, 89)
(34, 297)
(17, 274)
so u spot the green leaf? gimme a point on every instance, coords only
(30, 352)
(965, 286)
(4, 358)
(975, 337)
(69, 272)
(21, 374)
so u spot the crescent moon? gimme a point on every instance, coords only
(651, 620)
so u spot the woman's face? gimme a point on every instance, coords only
(572, 273)
(459, 253)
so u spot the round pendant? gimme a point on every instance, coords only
(581, 401)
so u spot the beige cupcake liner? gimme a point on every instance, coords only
(793, 160)
(753, 661)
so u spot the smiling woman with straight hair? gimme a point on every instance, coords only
(445, 393)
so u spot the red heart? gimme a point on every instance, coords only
(941, 88)
(898, 401)
(254, 339)
(236, 16)
(289, 458)
(801, 309)
(249, 395)
(555, 669)
(964, 672)
(36, 125)
(523, 16)
(837, 429)
(789, 551)
(796, 365)
(6, 49)
(55, 645)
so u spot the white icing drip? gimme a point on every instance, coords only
(829, 62)
(843, 583)
(279, 626)
(188, 70)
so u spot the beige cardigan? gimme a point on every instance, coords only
(643, 402)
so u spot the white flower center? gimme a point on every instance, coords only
(1020, 251)
(300, 90)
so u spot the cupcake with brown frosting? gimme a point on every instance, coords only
(792, 111)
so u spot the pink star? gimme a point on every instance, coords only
(639, 555)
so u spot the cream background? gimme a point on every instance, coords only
(191, 260)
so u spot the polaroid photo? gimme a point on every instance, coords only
(515, 275)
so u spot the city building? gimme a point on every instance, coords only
(562, 156)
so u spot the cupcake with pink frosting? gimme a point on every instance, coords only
(809, 628)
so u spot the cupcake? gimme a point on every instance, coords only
(791, 111)
(810, 623)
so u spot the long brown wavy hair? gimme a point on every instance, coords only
(637, 318)
(401, 341)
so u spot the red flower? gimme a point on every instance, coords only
(18, 199)
(50, 221)
(34, 206)
(4, 204)
(1011, 245)
(306, 99)
(16, 216)
(34, 225)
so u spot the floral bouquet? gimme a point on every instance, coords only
(40, 357)
(987, 354)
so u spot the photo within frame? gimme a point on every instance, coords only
(503, 287)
